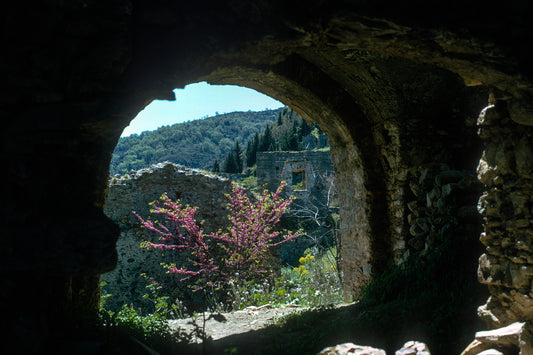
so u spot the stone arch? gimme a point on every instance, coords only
(362, 116)
(76, 73)
(361, 252)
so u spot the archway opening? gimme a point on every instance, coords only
(131, 190)
(384, 158)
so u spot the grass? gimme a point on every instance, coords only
(431, 298)
(315, 282)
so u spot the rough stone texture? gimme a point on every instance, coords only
(381, 79)
(134, 192)
(351, 349)
(507, 207)
(413, 348)
(315, 198)
(512, 339)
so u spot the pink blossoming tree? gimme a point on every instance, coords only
(240, 252)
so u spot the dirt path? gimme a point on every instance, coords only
(220, 325)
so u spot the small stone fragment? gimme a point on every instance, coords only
(351, 349)
(490, 352)
(413, 348)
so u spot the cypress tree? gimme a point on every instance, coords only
(251, 151)
(216, 167)
(305, 129)
(266, 140)
(238, 159)
(230, 164)
(233, 162)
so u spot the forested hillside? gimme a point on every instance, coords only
(289, 132)
(196, 144)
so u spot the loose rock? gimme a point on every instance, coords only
(351, 349)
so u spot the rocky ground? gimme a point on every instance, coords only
(221, 325)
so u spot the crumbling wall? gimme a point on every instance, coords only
(316, 166)
(133, 192)
(506, 170)
(314, 192)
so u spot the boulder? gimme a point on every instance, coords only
(413, 348)
(510, 339)
(351, 349)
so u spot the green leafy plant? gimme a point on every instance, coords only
(240, 253)
(151, 327)
(313, 283)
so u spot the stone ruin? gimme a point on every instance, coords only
(133, 192)
(310, 178)
(397, 91)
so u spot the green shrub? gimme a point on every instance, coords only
(153, 327)
(315, 282)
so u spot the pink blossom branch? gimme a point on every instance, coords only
(243, 247)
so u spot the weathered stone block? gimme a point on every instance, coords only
(486, 172)
(488, 116)
(424, 224)
(413, 348)
(494, 271)
(523, 153)
(351, 349)
(449, 177)
(521, 275)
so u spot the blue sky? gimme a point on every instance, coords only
(196, 101)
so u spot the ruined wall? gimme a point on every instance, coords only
(316, 166)
(133, 192)
(506, 170)
(354, 237)
(310, 179)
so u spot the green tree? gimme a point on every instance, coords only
(196, 143)
(216, 167)
(238, 159)
(304, 129)
(233, 161)
(251, 151)
(266, 140)
(230, 164)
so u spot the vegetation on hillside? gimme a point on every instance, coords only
(287, 133)
(196, 144)
(224, 143)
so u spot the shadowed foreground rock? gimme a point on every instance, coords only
(409, 348)
(351, 349)
(512, 339)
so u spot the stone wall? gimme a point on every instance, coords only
(310, 179)
(445, 199)
(506, 170)
(314, 166)
(133, 192)
(354, 237)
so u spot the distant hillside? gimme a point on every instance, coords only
(290, 132)
(196, 144)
